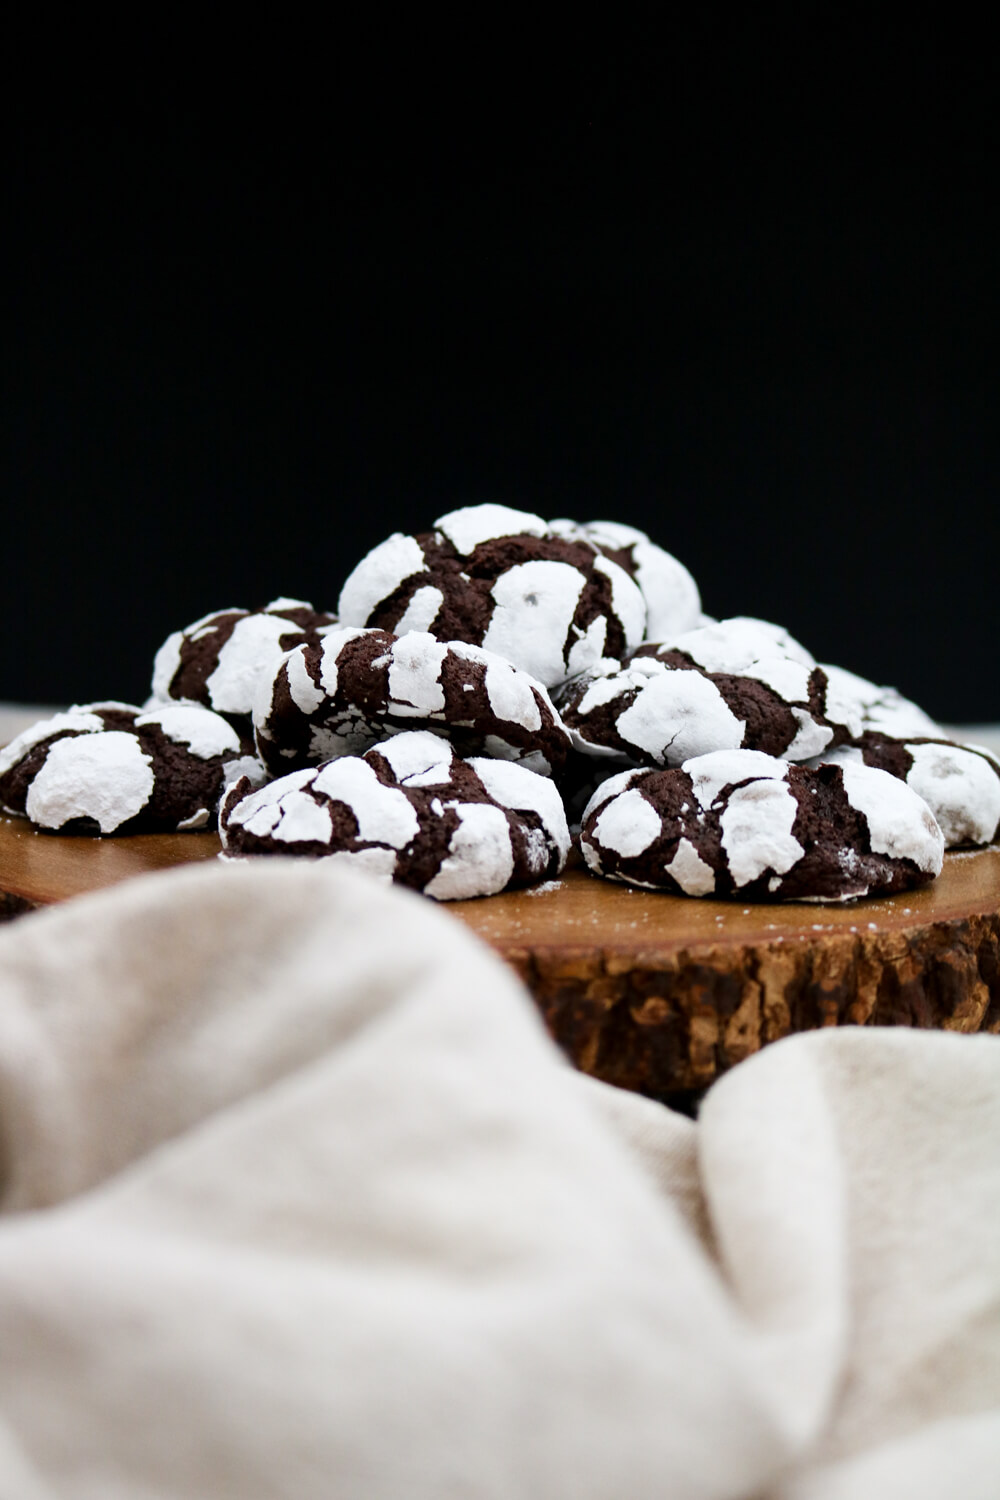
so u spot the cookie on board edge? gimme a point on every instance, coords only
(106, 768)
(744, 824)
(412, 811)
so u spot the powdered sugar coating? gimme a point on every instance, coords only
(757, 830)
(900, 823)
(108, 768)
(379, 575)
(472, 524)
(740, 823)
(503, 579)
(106, 777)
(534, 607)
(203, 733)
(217, 660)
(673, 603)
(731, 645)
(959, 783)
(454, 828)
(661, 709)
(349, 690)
(865, 707)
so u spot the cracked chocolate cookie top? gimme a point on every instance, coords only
(726, 645)
(217, 660)
(959, 783)
(663, 709)
(741, 823)
(877, 710)
(111, 768)
(356, 686)
(673, 603)
(413, 811)
(502, 579)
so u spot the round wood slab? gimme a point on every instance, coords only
(654, 992)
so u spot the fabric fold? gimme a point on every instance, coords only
(300, 1200)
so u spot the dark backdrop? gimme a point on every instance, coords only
(732, 279)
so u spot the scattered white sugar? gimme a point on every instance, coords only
(415, 675)
(421, 612)
(628, 824)
(534, 605)
(710, 773)
(900, 823)
(757, 830)
(692, 874)
(472, 524)
(204, 733)
(873, 927)
(253, 649)
(196, 820)
(107, 777)
(544, 887)
(76, 719)
(678, 715)
(731, 645)
(811, 737)
(378, 575)
(523, 791)
(165, 664)
(480, 860)
(961, 789)
(418, 758)
(384, 815)
(304, 692)
(788, 678)
(627, 601)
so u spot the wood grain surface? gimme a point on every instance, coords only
(656, 992)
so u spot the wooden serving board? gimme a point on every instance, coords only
(656, 992)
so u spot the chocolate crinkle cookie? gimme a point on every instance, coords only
(673, 603)
(668, 704)
(504, 580)
(412, 811)
(112, 768)
(744, 824)
(217, 660)
(727, 645)
(871, 709)
(356, 686)
(959, 783)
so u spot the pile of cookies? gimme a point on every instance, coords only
(487, 685)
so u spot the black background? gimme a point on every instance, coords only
(729, 276)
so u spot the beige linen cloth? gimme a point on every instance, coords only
(299, 1200)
